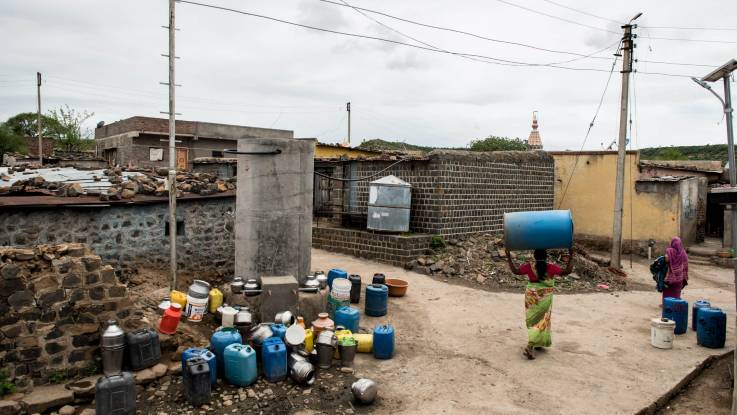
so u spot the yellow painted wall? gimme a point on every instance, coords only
(590, 197)
(333, 152)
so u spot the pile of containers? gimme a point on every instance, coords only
(709, 323)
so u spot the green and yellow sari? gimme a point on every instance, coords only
(538, 306)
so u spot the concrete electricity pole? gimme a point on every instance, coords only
(724, 73)
(38, 121)
(172, 183)
(348, 108)
(628, 49)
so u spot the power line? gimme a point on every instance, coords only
(492, 60)
(691, 28)
(475, 35)
(414, 22)
(607, 30)
(588, 132)
(556, 17)
(582, 12)
(444, 50)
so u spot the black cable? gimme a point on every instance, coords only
(361, 178)
(607, 30)
(588, 132)
(583, 12)
(414, 22)
(691, 28)
(492, 60)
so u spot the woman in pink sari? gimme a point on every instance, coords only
(677, 277)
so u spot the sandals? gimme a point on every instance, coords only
(527, 351)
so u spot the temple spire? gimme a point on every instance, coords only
(533, 141)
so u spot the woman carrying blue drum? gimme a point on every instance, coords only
(538, 232)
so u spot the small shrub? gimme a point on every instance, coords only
(437, 242)
(6, 386)
(58, 377)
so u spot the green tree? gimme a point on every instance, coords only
(9, 141)
(494, 143)
(670, 153)
(73, 136)
(25, 124)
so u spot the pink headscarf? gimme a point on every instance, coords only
(678, 261)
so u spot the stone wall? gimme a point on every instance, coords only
(54, 301)
(391, 249)
(133, 235)
(463, 192)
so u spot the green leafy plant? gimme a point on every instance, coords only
(437, 242)
(73, 136)
(9, 141)
(495, 143)
(6, 386)
(59, 376)
(25, 124)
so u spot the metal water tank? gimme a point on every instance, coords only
(389, 204)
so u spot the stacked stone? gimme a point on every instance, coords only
(203, 184)
(54, 301)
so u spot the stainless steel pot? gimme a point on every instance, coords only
(252, 287)
(325, 354)
(244, 317)
(285, 317)
(311, 283)
(364, 390)
(302, 372)
(261, 333)
(322, 279)
(328, 338)
(347, 354)
(236, 286)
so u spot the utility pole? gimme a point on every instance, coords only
(724, 73)
(38, 121)
(628, 49)
(172, 154)
(348, 108)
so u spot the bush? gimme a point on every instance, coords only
(437, 242)
(6, 386)
(494, 143)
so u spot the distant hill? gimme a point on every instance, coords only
(383, 145)
(705, 152)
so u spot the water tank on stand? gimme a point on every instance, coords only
(389, 204)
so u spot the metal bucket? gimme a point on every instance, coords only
(347, 354)
(301, 370)
(325, 355)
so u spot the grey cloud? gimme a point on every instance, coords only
(407, 61)
(321, 15)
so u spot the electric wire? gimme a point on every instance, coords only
(509, 3)
(492, 60)
(360, 178)
(588, 132)
(583, 12)
(463, 32)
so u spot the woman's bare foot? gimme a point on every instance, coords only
(529, 353)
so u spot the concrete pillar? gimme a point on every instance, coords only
(273, 227)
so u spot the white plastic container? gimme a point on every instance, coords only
(341, 289)
(197, 297)
(661, 333)
(229, 316)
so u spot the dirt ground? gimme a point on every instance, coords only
(459, 348)
(710, 393)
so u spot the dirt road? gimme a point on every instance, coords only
(459, 348)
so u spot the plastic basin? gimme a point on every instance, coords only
(397, 287)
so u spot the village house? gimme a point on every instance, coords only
(143, 141)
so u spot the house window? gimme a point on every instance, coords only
(155, 154)
(180, 227)
(216, 153)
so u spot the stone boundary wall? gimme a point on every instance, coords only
(391, 249)
(54, 301)
(133, 235)
(463, 192)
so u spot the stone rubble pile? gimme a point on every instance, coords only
(481, 260)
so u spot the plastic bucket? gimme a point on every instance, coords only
(662, 333)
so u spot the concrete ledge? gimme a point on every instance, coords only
(386, 248)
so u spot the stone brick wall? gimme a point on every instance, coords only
(132, 236)
(463, 192)
(54, 301)
(391, 249)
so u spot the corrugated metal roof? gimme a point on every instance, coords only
(66, 175)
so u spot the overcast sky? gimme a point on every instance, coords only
(104, 57)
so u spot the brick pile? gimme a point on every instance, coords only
(54, 301)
